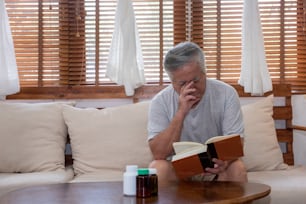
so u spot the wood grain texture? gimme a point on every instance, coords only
(112, 192)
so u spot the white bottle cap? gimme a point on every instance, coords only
(152, 171)
(131, 168)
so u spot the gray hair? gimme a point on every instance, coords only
(183, 53)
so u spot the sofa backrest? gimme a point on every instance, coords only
(281, 112)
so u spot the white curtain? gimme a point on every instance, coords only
(125, 62)
(9, 80)
(254, 76)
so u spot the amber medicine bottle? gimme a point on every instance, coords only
(153, 181)
(143, 189)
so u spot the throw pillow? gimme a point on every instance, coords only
(32, 137)
(108, 139)
(261, 148)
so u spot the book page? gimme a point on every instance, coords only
(189, 152)
(180, 147)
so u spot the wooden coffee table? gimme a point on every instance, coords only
(111, 192)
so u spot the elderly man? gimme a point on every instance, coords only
(193, 108)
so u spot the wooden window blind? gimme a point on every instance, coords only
(62, 45)
(218, 31)
(94, 29)
(36, 38)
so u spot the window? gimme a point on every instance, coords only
(62, 45)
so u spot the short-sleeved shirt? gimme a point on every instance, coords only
(218, 113)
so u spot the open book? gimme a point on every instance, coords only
(191, 158)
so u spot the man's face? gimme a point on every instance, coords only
(192, 75)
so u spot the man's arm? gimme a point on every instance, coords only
(161, 144)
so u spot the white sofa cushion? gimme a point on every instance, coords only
(13, 181)
(287, 186)
(107, 140)
(261, 148)
(32, 137)
(99, 176)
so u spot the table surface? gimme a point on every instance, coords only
(112, 192)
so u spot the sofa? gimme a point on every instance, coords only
(35, 139)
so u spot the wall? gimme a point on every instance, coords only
(299, 118)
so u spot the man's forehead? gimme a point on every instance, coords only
(189, 79)
(187, 75)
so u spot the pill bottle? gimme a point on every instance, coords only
(153, 181)
(129, 180)
(143, 183)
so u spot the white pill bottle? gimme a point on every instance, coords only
(129, 180)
